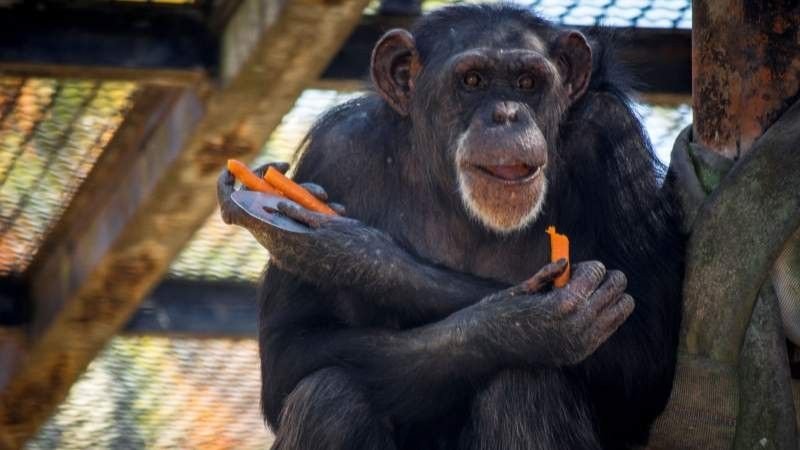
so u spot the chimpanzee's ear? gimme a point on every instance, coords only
(394, 66)
(573, 56)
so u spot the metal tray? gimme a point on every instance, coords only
(264, 207)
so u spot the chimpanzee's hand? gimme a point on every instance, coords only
(232, 214)
(335, 251)
(560, 327)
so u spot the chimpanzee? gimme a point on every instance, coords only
(412, 323)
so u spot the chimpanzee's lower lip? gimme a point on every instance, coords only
(508, 174)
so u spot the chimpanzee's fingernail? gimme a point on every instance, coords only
(284, 207)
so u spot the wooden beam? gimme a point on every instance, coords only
(667, 100)
(159, 77)
(12, 350)
(13, 305)
(93, 278)
(659, 58)
(198, 308)
(176, 45)
(132, 41)
(83, 287)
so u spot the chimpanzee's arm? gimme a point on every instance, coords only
(338, 252)
(415, 373)
(418, 292)
(423, 293)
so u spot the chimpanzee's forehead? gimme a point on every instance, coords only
(511, 37)
(461, 28)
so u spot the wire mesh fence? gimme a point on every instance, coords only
(612, 13)
(51, 133)
(163, 393)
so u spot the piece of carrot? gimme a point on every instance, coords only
(245, 176)
(296, 193)
(559, 248)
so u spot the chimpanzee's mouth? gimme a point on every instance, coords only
(509, 173)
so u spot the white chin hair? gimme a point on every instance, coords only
(495, 220)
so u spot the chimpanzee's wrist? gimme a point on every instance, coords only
(476, 341)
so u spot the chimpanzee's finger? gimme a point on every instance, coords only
(280, 166)
(610, 320)
(585, 278)
(225, 185)
(316, 190)
(302, 215)
(543, 277)
(609, 292)
(225, 188)
(338, 208)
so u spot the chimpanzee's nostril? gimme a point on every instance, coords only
(498, 116)
(504, 113)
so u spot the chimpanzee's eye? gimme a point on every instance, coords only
(525, 82)
(472, 79)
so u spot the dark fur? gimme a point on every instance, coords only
(324, 360)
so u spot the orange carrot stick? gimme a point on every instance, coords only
(242, 173)
(296, 193)
(559, 248)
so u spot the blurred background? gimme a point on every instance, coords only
(127, 308)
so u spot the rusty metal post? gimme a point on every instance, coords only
(745, 75)
(745, 69)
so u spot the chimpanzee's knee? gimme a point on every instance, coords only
(529, 409)
(328, 411)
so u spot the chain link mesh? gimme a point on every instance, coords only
(51, 133)
(612, 13)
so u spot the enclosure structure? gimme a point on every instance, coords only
(115, 118)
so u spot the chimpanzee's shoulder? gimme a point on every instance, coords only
(346, 149)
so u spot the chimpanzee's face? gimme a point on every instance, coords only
(509, 111)
(486, 107)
